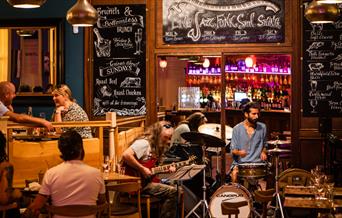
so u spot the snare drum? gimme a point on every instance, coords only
(230, 193)
(252, 170)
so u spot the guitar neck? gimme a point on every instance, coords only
(165, 168)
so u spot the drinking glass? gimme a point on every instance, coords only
(313, 85)
(313, 103)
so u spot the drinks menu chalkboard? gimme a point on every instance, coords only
(217, 21)
(119, 69)
(322, 69)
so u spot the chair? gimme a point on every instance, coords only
(297, 177)
(294, 176)
(4, 208)
(118, 209)
(146, 200)
(335, 164)
(76, 210)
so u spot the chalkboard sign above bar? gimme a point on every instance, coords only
(215, 21)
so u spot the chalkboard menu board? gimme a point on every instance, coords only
(217, 21)
(322, 69)
(119, 69)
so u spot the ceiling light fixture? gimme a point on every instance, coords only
(163, 63)
(82, 14)
(26, 3)
(25, 33)
(249, 61)
(321, 13)
(206, 63)
(329, 1)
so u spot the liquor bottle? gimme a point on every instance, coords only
(29, 111)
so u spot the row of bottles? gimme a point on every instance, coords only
(269, 98)
(275, 68)
(192, 80)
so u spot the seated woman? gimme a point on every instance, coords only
(68, 110)
(7, 193)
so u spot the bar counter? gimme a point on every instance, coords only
(275, 120)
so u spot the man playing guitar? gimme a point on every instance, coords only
(145, 148)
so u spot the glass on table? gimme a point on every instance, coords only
(120, 169)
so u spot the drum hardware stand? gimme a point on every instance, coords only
(202, 202)
(277, 195)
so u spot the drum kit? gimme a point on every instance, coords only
(209, 136)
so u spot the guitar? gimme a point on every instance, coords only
(155, 170)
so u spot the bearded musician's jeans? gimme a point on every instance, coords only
(168, 195)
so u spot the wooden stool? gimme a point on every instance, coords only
(264, 197)
(232, 208)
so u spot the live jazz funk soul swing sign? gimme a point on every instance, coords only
(218, 21)
(119, 68)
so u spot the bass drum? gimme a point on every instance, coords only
(233, 192)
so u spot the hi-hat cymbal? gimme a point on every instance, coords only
(203, 139)
(278, 142)
(278, 150)
(214, 129)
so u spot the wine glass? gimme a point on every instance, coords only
(313, 85)
(313, 103)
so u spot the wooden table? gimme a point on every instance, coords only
(116, 177)
(310, 203)
(307, 191)
(302, 198)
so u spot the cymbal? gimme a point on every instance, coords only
(278, 150)
(214, 129)
(203, 139)
(279, 142)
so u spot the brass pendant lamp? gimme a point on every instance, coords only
(321, 13)
(26, 3)
(82, 14)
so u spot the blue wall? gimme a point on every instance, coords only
(73, 43)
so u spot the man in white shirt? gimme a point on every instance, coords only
(7, 93)
(71, 182)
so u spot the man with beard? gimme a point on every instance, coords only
(248, 144)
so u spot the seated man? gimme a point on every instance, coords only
(7, 193)
(147, 148)
(71, 182)
(7, 93)
(248, 142)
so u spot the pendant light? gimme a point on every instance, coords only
(329, 1)
(163, 62)
(25, 32)
(82, 14)
(321, 13)
(26, 3)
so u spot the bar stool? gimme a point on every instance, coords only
(264, 197)
(232, 208)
